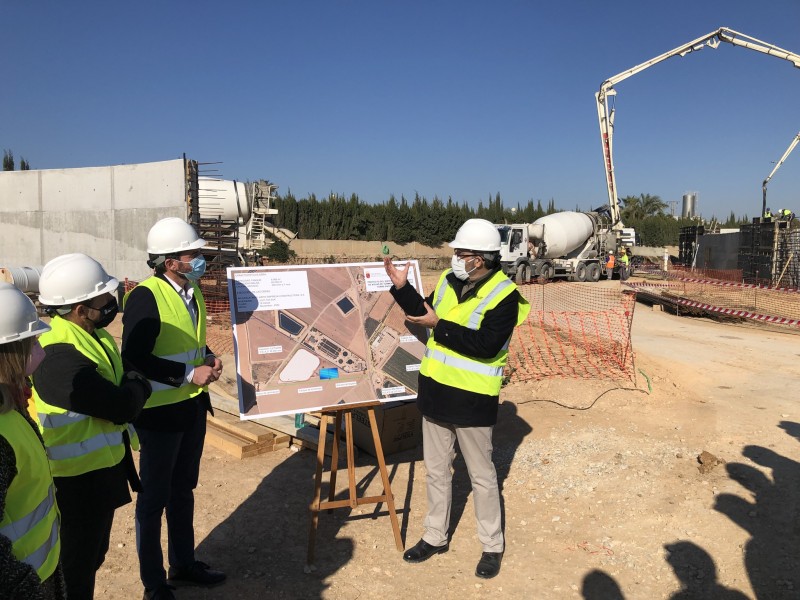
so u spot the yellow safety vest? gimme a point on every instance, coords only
(30, 518)
(178, 340)
(448, 367)
(77, 443)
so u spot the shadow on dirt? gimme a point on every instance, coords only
(696, 571)
(771, 556)
(598, 585)
(262, 545)
(773, 552)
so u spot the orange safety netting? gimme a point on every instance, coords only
(574, 330)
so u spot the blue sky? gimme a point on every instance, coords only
(442, 98)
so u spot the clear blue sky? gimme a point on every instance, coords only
(460, 99)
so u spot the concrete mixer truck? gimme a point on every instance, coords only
(574, 245)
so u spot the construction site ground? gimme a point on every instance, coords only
(604, 491)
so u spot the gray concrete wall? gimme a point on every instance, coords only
(104, 212)
(718, 251)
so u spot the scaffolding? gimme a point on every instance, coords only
(769, 252)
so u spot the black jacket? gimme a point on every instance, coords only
(450, 404)
(66, 378)
(141, 324)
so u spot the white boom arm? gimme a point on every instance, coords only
(606, 115)
(777, 166)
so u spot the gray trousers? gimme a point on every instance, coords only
(438, 443)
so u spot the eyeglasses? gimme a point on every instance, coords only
(467, 255)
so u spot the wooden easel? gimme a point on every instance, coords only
(317, 505)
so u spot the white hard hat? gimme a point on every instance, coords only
(18, 319)
(72, 278)
(172, 235)
(477, 234)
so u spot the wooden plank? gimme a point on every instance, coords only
(247, 430)
(284, 424)
(226, 442)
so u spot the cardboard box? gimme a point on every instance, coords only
(399, 427)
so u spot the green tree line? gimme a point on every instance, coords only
(435, 222)
(420, 220)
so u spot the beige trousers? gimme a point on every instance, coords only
(475, 443)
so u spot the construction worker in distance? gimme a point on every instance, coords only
(29, 521)
(471, 315)
(624, 261)
(85, 401)
(164, 336)
(785, 214)
(610, 265)
(767, 215)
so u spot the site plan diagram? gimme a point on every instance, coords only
(314, 336)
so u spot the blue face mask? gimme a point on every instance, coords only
(198, 264)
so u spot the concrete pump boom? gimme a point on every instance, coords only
(777, 166)
(606, 115)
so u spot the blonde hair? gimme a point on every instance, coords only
(14, 358)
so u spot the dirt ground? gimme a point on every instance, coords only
(603, 493)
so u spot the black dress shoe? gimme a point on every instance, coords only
(489, 565)
(199, 573)
(423, 551)
(162, 592)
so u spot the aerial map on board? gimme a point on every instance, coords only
(315, 336)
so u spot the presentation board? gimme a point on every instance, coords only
(309, 337)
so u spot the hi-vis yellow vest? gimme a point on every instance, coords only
(30, 518)
(178, 339)
(484, 376)
(77, 443)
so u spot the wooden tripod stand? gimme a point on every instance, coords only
(317, 505)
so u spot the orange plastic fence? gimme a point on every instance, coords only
(214, 303)
(219, 334)
(574, 330)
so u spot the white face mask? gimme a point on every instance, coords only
(459, 266)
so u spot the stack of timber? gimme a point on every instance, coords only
(243, 439)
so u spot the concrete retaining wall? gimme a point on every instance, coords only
(104, 212)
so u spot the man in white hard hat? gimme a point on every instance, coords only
(29, 521)
(471, 315)
(85, 400)
(164, 335)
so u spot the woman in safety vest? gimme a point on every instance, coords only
(85, 401)
(29, 529)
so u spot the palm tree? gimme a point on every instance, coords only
(636, 208)
(652, 206)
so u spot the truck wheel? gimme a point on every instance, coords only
(522, 274)
(580, 272)
(547, 272)
(594, 272)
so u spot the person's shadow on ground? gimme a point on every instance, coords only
(599, 585)
(696, 571)
(262, 544)
(772, 555)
